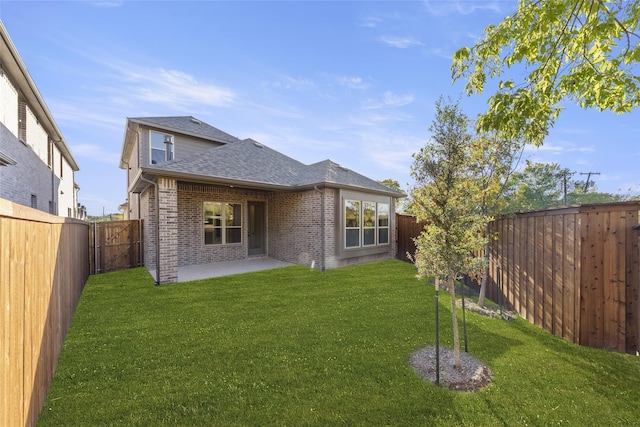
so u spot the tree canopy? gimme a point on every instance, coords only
(583, 51)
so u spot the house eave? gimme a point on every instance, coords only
(140, 183)
(153, 125)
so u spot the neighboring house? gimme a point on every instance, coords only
(36, 166)
(206, 196)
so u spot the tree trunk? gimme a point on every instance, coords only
(483, 285)
(454, 314)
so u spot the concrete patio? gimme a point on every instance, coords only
(226, 268)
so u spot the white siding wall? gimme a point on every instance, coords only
(37, 137)
(8, 104)
(66, 196)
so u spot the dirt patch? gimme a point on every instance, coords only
(472, 375)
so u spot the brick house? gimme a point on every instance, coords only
(206, 196)
(36, 165)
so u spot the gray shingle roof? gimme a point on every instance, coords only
(252, 162)
(187, 125)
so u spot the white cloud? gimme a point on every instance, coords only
(563, 147)
(353, 82)
(293, 83)
(371, 22)
(174, 88)
(390, 100)
(105, 3)
(465, 7)
(400, 42)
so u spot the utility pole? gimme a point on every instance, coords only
(565, 179)
(587, 184)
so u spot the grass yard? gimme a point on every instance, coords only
(295, 346)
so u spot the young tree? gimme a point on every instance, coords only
(446, 199)
(581, 51)
(494, 161)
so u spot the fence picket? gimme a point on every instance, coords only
(574, 271)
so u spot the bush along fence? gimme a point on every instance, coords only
(574, 272)
(114, 245)
(44, 265)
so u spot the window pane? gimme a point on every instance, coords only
(212, 211)
(157, 156)
(383, 214)
(383, 236)
(159, 148)
(213, 236)
(233, 215)
(353, 238)
(369, 236)
(234, 235)
(352, 213)
(369, 214)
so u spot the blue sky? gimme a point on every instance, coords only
(351, 81)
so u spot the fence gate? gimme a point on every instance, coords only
(407, 228)
(115, 245)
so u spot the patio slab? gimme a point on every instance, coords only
(227, 268)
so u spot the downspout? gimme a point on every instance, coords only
(157, 195)
(322, 230)
(53, 210)
(155, 187)
(140, 243)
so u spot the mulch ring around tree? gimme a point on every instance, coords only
(472, 375)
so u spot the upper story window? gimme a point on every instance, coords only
(161, 147)
(22, 121)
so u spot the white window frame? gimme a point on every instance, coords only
(381, 227)
(364, 205)
(164, 149)
(351, 228)
(226, 223)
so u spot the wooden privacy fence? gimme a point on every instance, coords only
(115, 245)
(572, 271)
(407, 229)
(44, 265)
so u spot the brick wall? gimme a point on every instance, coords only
(295, 227)
(168, 230)
(148, 216)
(191, 198)
(30, 175)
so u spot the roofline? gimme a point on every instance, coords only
(30, 91)
(172, 129)
(148, 173)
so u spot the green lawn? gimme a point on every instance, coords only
(295, 346)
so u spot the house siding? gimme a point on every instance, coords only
(50, 179)
(183, 146)
(295, 229)
(28, 176)
(148, 216)
(168, 229)
(191, 198)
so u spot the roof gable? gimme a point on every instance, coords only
(187, 125)
(251, 163)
